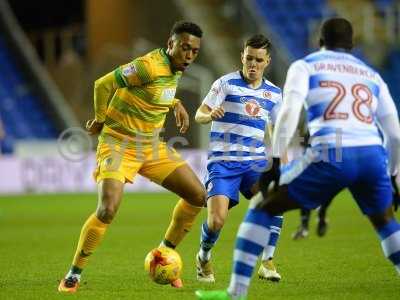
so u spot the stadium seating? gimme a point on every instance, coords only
(391, 74)
(391, 68)
(21, 111)
(383, 4)
(292, 25)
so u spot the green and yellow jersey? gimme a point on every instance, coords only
(133, 100)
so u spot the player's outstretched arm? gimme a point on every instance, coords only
(181, 117)
(104, 89)
(387, 117)
(390, 127)
(295, 91)
(205, 114)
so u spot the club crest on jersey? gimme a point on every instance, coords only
(216, 90)
(252, 107)
(267, 94)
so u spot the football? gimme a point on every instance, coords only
(164, 265)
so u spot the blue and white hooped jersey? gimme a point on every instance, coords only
(239, 135)
(343, 98)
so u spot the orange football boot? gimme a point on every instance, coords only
(69, 285)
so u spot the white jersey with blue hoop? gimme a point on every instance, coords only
(343, 98)
(239, 135)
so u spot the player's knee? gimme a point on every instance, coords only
(215, 223)
(108, 208)
(106, 213)
(198, 197)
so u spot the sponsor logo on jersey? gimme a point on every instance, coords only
(251, 107)
(168, 94)
(128, 70)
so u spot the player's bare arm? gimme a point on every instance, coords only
(205, 114)
(181, 117)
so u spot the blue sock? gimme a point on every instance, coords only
(207, 241)
(276, 226)
(252, 238)
(390, 242)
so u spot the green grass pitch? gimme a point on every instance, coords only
(38, 235)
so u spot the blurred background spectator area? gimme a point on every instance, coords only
(51, 52)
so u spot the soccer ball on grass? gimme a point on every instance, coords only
(164, 265)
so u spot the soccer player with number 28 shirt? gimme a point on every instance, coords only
(346, 101)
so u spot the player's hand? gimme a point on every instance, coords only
(272, 175)
(217, 113)
(396, 191)
(93, 127)
(181, 117)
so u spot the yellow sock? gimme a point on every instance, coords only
(182, 221)
(91, 235)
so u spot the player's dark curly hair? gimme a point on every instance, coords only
(187, 27)
(336, 33)
(258, 41)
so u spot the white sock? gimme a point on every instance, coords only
(70, 274)
(238, 290)
(204, 255)
(268, 253)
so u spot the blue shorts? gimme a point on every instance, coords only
(320, 175)
(229, 177)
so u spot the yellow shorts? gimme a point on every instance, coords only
(153, 162)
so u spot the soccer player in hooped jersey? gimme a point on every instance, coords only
(345, 101)
(131, 104)
(240, 105)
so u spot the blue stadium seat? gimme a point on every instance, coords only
(20, 109)
(391, 75)
(7, 145)
(290, 19)
(383, 4)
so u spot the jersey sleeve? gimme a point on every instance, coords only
(386, 104)
(294, 95)
(388, 120)
(276, 108)
(104, 89)
(216, 95)
(297, 79)
(136, 73)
